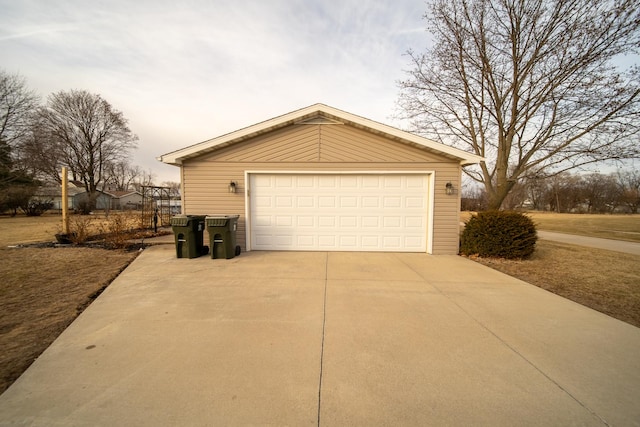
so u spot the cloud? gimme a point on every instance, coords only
(183, 72)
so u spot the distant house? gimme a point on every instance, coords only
(103, 200)
(54, 193)
(125, 200)
(113, 200)
(77, 195)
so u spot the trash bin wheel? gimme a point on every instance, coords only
(238, 249)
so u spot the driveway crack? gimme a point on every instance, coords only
(510, 347)
(324, 319)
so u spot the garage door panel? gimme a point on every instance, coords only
(392, 202)
(348, 221)
(370, 221)
(262, 181)
(262, 221)
(284, 202)
(347, 212)
(348, 181)
(304, 181)
(262, 240)
(370, 242)
(416, 181)
(327, 241)
(284, 241)
(348, 241)
(391, 222)
(392, 181)
(412, 242)
(328, 181)
(370, 202)
(348, 201)
(327, 201)
(284, 221)
(414, 202)
(306, 241)
(306, 221)
(305, 202)
(392, 242)
(414, 222)
(263, 202)
(284, 181)
(326, 221)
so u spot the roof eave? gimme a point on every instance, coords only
(176, 158)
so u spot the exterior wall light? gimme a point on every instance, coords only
(449, 189)
(233, 187)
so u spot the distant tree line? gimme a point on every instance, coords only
(617, 192)
(76, 129)
(535, 87)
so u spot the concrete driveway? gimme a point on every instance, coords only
(331, 339)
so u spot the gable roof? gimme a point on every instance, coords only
(56, 191)
(118, 194)
(318, 114)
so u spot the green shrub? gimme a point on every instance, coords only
(500, 234)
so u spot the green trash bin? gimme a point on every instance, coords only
(222, 235)
(188, 231)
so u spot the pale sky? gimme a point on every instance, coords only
(186, 71)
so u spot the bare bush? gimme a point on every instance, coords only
(118, 228)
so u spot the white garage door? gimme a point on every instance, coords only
(347, 212)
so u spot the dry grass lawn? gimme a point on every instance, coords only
(22, 229)
(618, 227)
(42, 291)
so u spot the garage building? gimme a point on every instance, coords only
(322, 179)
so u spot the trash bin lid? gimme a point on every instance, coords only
(216, 221)
(219, 220)
(180, 220)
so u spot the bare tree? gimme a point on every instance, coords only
(629, 187)
(39, 155)
(86, 134)
(473, 198)
(121, 175)
(174, 188)
(537, 189)
(600, 193)
(564, 193)
(16, 105)
(529, 85)
(145, 178)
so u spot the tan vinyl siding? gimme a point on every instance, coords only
(344, 143)
(293, 144)
(324, 143)
(446, 211)
(320, 148)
